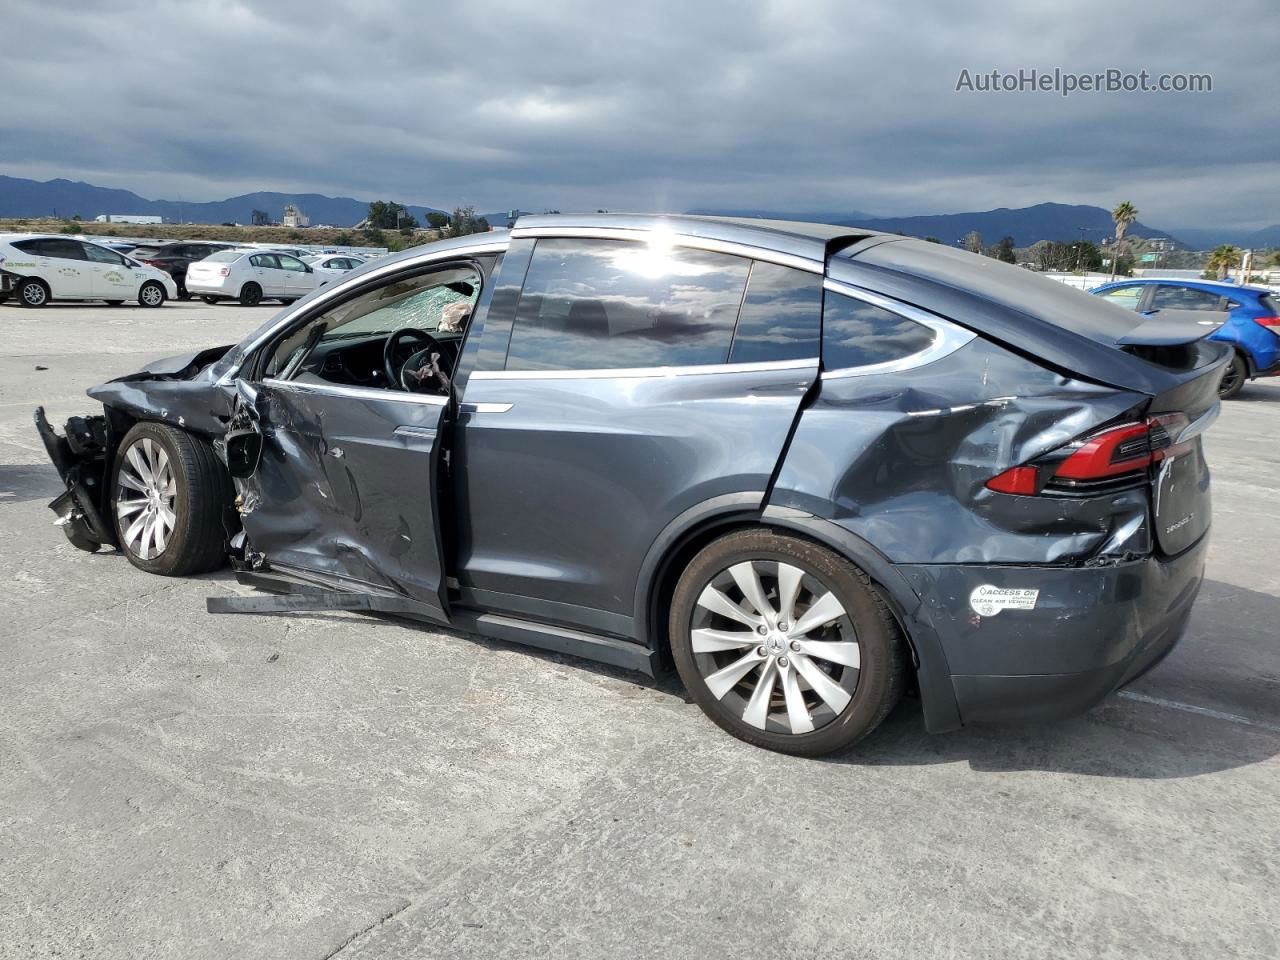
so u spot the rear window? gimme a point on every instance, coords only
(225, 256)
(856, 333)
(1269, 304)
(1013, 287)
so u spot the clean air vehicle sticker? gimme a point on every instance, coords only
(988, 600)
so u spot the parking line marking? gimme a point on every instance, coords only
(1202, 711)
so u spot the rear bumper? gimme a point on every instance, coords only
(1091, 630)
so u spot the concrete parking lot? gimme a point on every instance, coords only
(175, 784)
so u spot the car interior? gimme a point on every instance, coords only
(406, 335)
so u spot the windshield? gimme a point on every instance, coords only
(417, 302)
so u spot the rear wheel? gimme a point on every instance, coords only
(784, 644)
(151, 294)
(250, 295)
(33, 293)
(169, 491)
(1233, 378)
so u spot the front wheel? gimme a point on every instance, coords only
(1233, 378)
(784, 644)
(151, 295)
(169, 492)
(113, 303)
(209, 300)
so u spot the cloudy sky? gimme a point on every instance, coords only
(786, 105)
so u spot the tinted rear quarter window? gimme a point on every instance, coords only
(856, 333)
(780, 317)
(1167, 297)
(610, 304)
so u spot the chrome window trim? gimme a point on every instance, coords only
(332, 291)
(626, 373)
(358, 393)
(730, 247)
(948, 337)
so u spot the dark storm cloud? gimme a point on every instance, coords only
(644, 106)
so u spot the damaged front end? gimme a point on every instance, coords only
(181, 391)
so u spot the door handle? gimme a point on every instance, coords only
(487, 407)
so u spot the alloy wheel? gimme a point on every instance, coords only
(775, 646)
(152, 295)
(34, 294)
(145, 495)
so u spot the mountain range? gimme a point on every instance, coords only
(68, 198)
(1043, 221)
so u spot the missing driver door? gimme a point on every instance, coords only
(345, 489)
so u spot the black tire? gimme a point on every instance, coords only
(152, 294)
(209, 300)
(113, 303)
(250, 295)
(33, 293)
(880, 675)
(196, 543)
(1233, 378)
(289, 301)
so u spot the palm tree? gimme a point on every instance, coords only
(1123, 215)
(1221, 260)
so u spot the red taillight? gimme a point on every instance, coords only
(1114, 457)
(1020, 480)
(1271, 323)
(154, 263)
(1118, 450)
(224, 271)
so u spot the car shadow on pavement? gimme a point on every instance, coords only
(20, 482)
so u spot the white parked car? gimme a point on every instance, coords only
(35, 269)
(332, 265)
(250, 276)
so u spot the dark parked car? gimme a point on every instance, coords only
(811, 466)
(174, 258)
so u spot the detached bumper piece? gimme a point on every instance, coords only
(81, 458)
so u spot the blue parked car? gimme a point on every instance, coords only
(1252, 327)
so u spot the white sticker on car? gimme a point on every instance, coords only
(988, 600)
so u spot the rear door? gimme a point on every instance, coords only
(69, 272)
(265, 271)
(611, 395)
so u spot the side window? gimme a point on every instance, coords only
(102, 255)
(291, 263)
(1184, 298)
(611, 304)
(1127, 297)
(427, 302)
(32, 246)
(267, 260)
(781, 315)
(856, 333)
(63, 249)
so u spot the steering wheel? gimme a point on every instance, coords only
(391, 365)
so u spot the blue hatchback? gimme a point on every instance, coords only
(1252, 327)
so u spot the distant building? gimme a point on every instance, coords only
(293, 217)
(1159, 244)
(127, 218)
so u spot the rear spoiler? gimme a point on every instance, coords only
(1172, 328)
